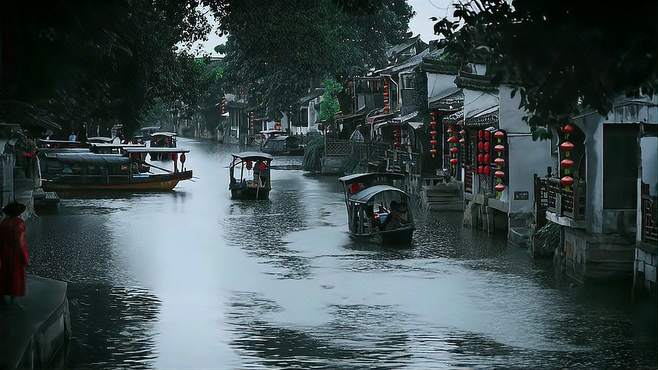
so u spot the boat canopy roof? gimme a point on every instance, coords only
(168, 134)
(99, 139)
(362, 177)
(91, 158)
(149, 128)
(117, 145)
(253, 155)
(267, 132)
(365, 195)
(142, 149)
(58, 141)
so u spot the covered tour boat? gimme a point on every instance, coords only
(250, 175)
(62, 171)
(376, 209)
(283, 145)
(161, 140)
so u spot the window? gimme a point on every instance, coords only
(408, 81)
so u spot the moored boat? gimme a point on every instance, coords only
(161, 140)
(62, 171)
(377, 210)
(254, 180)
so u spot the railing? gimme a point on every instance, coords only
(541, 197)
(560, 200)
(338, 148)
(402, 161)
(649, 219)
(468, 179)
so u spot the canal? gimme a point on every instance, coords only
(191, 279)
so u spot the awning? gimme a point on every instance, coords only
(482, 117)
(380, 117)
(405, 118)
(449, 99)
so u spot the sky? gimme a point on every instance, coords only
(419, 24)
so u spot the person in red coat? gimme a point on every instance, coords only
(14, 255)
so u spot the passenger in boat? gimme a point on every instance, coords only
(73, 136)
(393, 220)
(14, 256)
(404, 213)
(262, 171)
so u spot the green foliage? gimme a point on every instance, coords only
(329, 105)
(564, 55)
(103, 62)
(276, 50)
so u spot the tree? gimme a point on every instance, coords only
(80, 61)
(329, 105)
(276, 50)
(565, 55)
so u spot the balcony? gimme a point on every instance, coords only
(563, 206)
(649, 217)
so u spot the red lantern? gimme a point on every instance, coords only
(567, 146)
(566, 163)
(462, 140)
(566, 181)
(454, 150)
(454, 161)
(453, 139)
(499, 174)
(568, 128)
(480, 146)
(462, 132)
(433, 133)
(499, 161)
(433, 151)
(433, 141)
(486, 147)
(480, 169)
(486, 158)
(499, 134)
(486, 170)
(499, 148)
(500, 187)
(480, 158)
(480, 134)
(487, 135)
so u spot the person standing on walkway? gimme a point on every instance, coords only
(14, 256)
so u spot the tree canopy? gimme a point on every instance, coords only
(565, 55)
(80, 61)
(276, 50)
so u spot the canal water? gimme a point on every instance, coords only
(194, 280)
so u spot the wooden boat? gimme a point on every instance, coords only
(376, 209)
(161, 140)
(100, 140)
(128, 171)
(254, 179)
(112, 148)
(60, 144)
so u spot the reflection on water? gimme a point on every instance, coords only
(192, 279)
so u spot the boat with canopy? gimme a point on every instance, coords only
(126, 171)
(376, 209)
(250, 175)
(162, 140)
